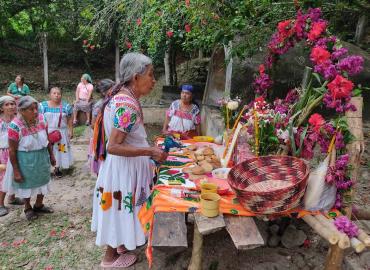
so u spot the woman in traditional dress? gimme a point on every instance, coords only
(58, 116)
(183, 116)
(103, 87)
(18, 88)
(83, 102)
(8, 110)
(125, 176)
(30, 154)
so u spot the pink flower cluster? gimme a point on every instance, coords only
(337, 174)
(329, 58)
(346, 226)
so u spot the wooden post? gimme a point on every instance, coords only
(229, 68)
(166, 61)
(334, 258)
(360, 28)
(117, 60)
(196, 254)
(45, 60)
(200, 54)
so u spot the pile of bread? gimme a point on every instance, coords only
(205, 161)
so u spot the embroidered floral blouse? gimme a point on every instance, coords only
(181, 121)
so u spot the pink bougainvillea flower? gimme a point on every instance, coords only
(4, 244)
(317, 29)
(316, 121)
(340, 87)
(187, 3)
(169, 34)
(53, 233)
(319, 55)
(138, 21)
(187, 28)
(124, 120)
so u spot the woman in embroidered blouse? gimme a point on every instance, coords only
(7, 113)
(83, 102)
(126, 174)
(53, 110)
(30, 154)
(18, 88)
(183, 116)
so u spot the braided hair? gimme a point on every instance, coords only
(131, 64)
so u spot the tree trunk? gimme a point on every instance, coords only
(173, 67)
(166, 61)
(117, 61)
(45, 60)
(229, 68)
(200, 54)
(360, 28)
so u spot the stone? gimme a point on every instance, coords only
(274, 240)
(274, 228)
(298, 261)
(292, 237)
(365, 259)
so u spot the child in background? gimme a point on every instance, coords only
(58, 116)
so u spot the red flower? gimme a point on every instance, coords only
(138, 21)
(262, 69)
(53, 233)
(49, 267)
(259, 99)
(340, 87)
(169, 34)
(128, 44)
(285, 29)
(84, 41)
(187, 28)
(92, 47)
(316, 30)
(316, 120)
(319, 55)
(187, 3)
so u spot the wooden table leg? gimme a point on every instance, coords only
(196, 254)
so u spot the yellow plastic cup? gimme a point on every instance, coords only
(208, 188)
(209, 204)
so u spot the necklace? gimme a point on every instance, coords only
(130, 91)
(32, 128)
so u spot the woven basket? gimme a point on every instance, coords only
(269, 184)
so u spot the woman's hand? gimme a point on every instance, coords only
(18, 176)
(158, 154)
(165, 132)
(52, 160)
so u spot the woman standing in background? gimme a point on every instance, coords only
(83, 101)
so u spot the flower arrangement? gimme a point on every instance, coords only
(228, 109)
(289, 125)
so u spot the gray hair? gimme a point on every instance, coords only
(131, 64)
(5, 99)
(25, 102)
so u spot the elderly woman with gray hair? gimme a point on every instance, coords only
(30, 154)
(8, 110)
(125, 176)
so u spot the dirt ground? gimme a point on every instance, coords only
(63, 240)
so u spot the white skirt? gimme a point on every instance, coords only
(122, 187)
(63, 151)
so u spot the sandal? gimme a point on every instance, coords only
(3, 211)
(16, 201)
(121, 250)
(30, 214)
(43, 209)
(123, 261)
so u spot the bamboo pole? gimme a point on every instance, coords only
(357, 245)
(334, 258)
(344, 241)
(364, 237)
(323, 231)
(197, 251)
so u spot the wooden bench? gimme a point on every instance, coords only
(170, 231)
